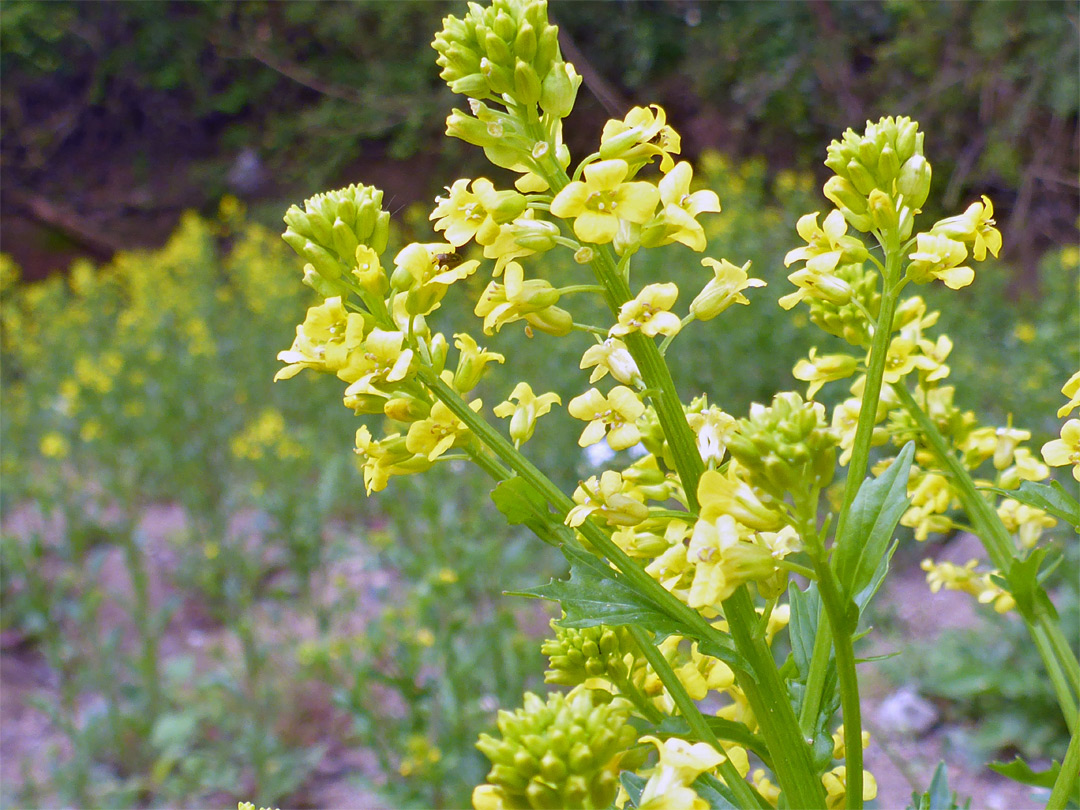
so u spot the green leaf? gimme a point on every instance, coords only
(863, 597)
(803, 624)
(597, 594)
(1020, 771)
(868, 529)
(522, 505)
(1023, 582)
(715, 792)
(938, 797)
(518, 501)
(1052, 498)
(633, 784)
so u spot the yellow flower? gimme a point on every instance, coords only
(726, 494)
(324, 341)
(1027, 521)
(528, 408)
(426, 272)
(465, 214)
(1066, 450)
(835, 782)
(931, 498)
(435, 435)
(711, 428)
(524, 236)
(723, 290)
(615, 414)
(677, 220)
(648, 312)
(386, 458)
(680, 764)
(53, 445)
(603, 199)
(642, 135)
(381, 360)
(723, 560)
(1071, 389)
(1026, 467)
(975, 226)
(818, 370)
(939, 257)
(517, 299)
(827, 246)
(953, 577)
(611, 356)
(472, 362)
(609, 498)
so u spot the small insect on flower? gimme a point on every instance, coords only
(447, 261)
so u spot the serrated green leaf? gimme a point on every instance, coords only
(1020, 771)
(518, 501)
(597, 594)
(1052, 498)
(876, 510)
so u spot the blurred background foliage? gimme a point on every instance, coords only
(116, 116)
(276, 636)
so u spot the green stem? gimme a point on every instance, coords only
(690, 712)
(860, 459)
(1057, 656)
(764, 690)
(849, 681)
(1066, 780)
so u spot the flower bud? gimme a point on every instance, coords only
(526, 83)
(559, 90)
(553, 321)
(860, 177)
(888, 166)
(844, 195)
(882, 210)
(914, 181)
(576, 655)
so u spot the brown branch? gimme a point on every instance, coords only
(68, 222)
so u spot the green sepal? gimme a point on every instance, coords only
(873, 517)
(596, 594)
(1052, 498)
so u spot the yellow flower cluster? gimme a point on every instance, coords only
(965, 578)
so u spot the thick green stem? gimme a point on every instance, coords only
(1066, 780)
(849, 681)
(1054, 650)
(764, 689)
(690, 712)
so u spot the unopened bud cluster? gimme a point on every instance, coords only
(507, 50)
(786, 447)
(576, 655)
(847, 320)
(881, 177)
(331, 226)
(564, 752)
